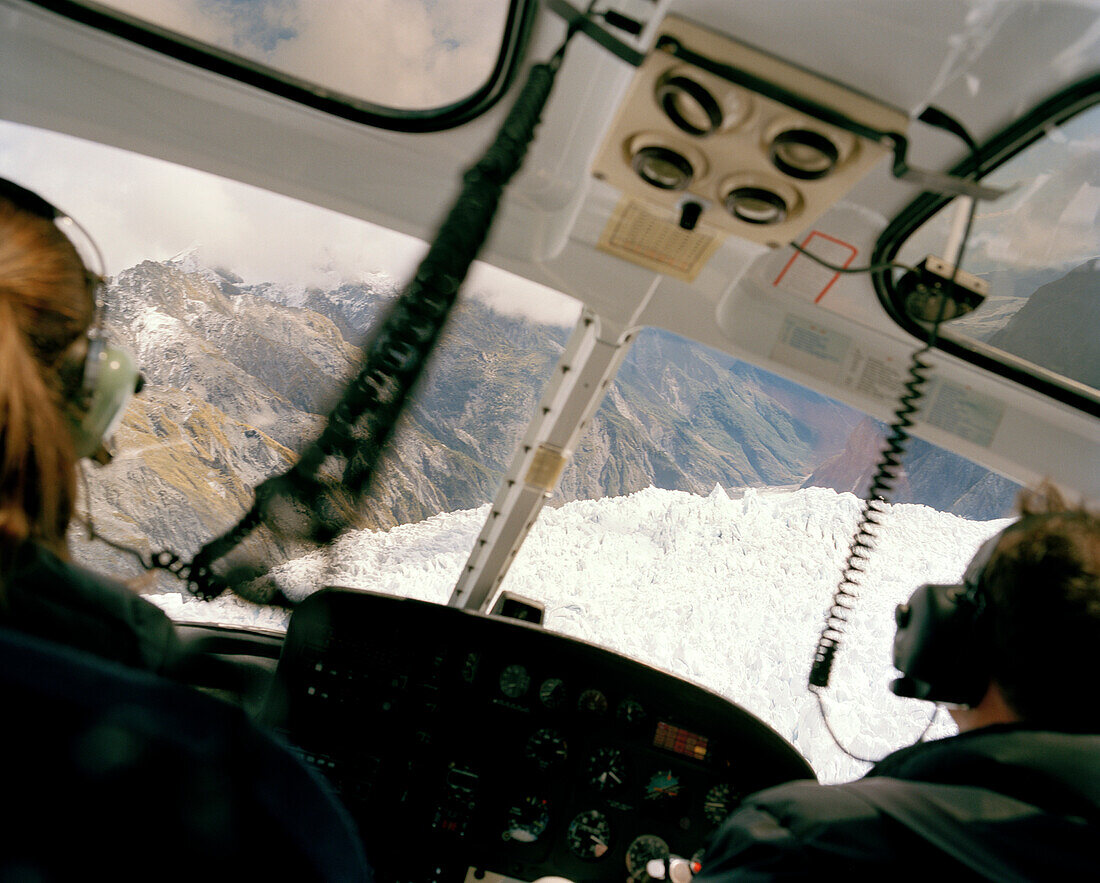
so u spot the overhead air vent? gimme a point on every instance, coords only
(759, 148)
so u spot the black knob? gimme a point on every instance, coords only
(902, 614)
(689, 215)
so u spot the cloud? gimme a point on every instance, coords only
(138, 208)
(399, 53)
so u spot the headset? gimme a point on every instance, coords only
(100, 380)
(942, 642)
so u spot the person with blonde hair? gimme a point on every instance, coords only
(62, 389)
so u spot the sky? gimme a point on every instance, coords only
(728, 593)
(444, 49)
(1050, 218)
(138, 208)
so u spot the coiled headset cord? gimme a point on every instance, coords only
(887, 470)
(877, 498)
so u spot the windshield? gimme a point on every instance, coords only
(348, 51)
(700, 527)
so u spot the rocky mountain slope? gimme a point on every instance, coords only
(930, 476)
(1059, 325)
(239, 378)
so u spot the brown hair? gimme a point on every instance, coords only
(1043, 585)
(46, 305)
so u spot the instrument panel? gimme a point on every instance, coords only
(462, 740)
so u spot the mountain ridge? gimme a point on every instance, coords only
(240, 376)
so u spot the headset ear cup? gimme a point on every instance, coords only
(940, 646)
(108, 379)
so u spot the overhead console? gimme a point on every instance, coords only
(462, 740)
(715, 137)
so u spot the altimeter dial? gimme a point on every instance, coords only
(527, 819)
(589, 835)
(552, 693)
(605, 770)
(630, 712)
(592, 702)
(514, 681)
(546, 747)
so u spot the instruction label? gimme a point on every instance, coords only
(965, 413)
(876, 376)
(811, 347)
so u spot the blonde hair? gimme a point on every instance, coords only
(46, 305)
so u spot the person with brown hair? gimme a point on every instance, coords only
(1012, 651)
(51, 385)
(112, 767)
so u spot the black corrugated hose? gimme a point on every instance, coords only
(360, 425)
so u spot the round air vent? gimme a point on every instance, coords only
(663, 167)
(755, 205)
(689, 105)
(804, 154)
(758, 199)
(701, 105)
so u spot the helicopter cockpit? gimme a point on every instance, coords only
(559, 254)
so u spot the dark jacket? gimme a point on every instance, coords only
(59, 601)
(1000, 803)
(108, 771)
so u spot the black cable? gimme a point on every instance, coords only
(360, 426)
(877, 497)
(836, 268)
(941, 119)
(358, 429)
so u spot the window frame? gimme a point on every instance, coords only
(517, 30)
(1003, 146)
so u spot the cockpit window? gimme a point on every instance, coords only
(1037, 248)
(406, 64)
(728, 508)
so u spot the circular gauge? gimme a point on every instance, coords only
(552, 693)
(631, 712)
(593, 702)
(662, 786)
(514, 681)
(642, 851)
(589, 835)
(527, 819)
(719, 803)
(546, 747)
(605, 769)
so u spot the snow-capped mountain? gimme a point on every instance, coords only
(240, 377)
